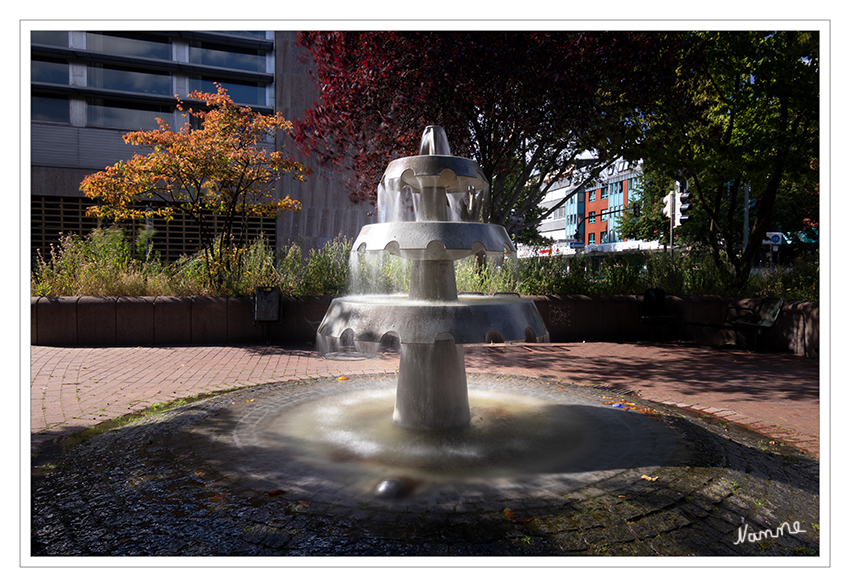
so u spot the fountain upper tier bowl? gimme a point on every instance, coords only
(454, 174)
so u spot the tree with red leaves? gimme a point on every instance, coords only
(529, 107)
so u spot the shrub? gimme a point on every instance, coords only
(799, 281)
(488, 274)
(624, 275)
(326, 270)
(544, 276)
(101, 264)
(106, 263)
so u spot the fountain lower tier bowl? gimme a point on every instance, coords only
(434, 241)
(470, 319)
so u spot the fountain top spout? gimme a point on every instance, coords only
(434, 141)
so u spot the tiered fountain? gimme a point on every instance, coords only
(433, 322)
(474, 439)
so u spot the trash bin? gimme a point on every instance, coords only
(267, 304)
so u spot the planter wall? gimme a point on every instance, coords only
(164, 320)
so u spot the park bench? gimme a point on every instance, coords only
(756, 317)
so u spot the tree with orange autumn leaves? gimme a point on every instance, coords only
(217, 166)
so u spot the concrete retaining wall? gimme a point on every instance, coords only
(164, 320)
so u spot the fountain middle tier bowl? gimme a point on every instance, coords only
(470, 319)
(434, 241)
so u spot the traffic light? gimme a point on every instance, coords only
(669, 205)
(683, 204)
(636, 209)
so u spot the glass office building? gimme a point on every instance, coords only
(88, 88)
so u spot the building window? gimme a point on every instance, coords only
(591, 218)
(130, 44)
(603, 237)
(124, 115)
(51, 71)
(617, 188)
(634, 187)
(247, 34)
(50, 109)
(604, 195)
(52, 38)
(240, 92)
(591, 238)
(216, 55)
(591, 196)
(124, 79)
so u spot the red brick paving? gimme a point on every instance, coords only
(777, 395)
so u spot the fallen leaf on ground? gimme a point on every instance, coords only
(275, 492)
(648, 478)
(341, 378)
(512, 516)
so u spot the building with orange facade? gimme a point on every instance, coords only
(589, 220)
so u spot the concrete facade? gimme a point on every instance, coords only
(326, 210)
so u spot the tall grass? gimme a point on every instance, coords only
(107, 263)
(101, 264)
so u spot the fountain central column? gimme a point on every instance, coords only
(433, 279)
(432, 392)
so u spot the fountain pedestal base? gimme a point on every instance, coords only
(431, 392)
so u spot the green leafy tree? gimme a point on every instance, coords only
(644, 219)
(743, 111)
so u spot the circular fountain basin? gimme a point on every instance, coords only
(335, 439)
(470, 319)
(434, 241)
